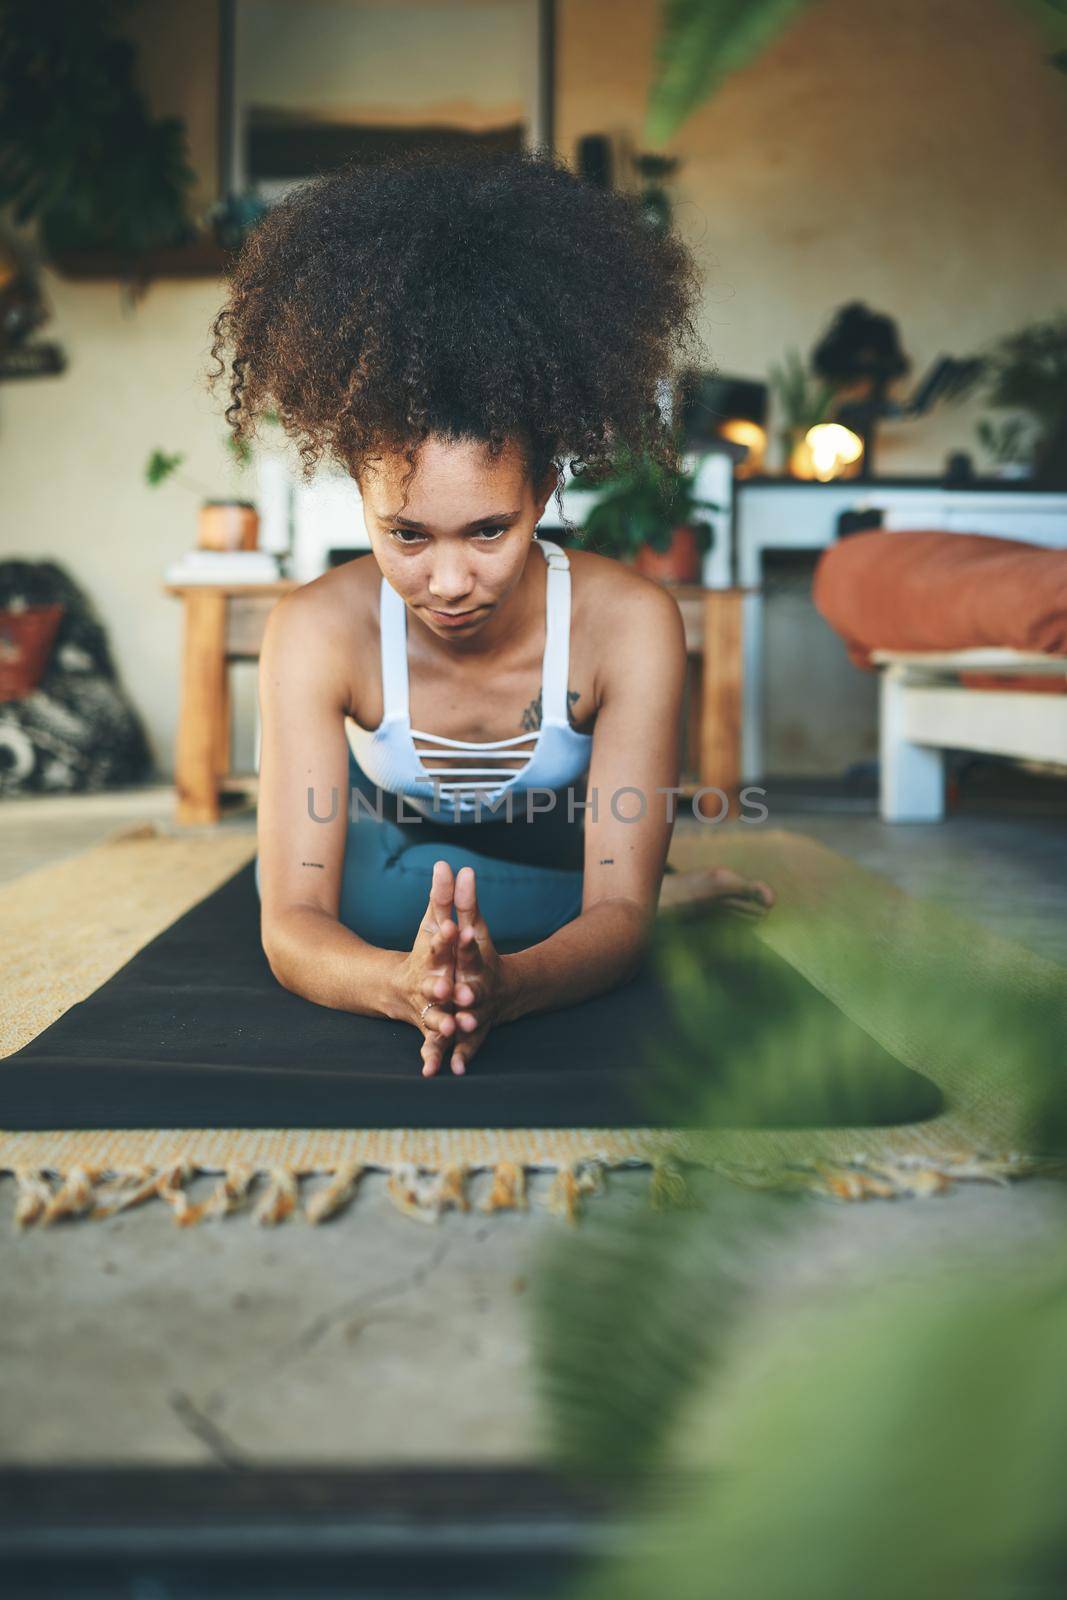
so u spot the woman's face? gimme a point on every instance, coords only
(455, 546)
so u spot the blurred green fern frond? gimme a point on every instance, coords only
(701, 43)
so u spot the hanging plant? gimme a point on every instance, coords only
(79, 152)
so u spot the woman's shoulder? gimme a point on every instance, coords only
(610, 598)
(327, 629)
(340, 600)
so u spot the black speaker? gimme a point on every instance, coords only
(593, 151)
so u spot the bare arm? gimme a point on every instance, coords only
(636, 756)
(302, 822)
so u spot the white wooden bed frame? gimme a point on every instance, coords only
(925, 711)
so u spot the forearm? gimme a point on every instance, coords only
(317, 957)
(598, 950)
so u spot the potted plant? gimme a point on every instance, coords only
(1027, 372)
(83, 156)
(1008, 444)
(650, 515)
(223, 524)
(803, 401)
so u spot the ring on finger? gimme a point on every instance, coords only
(427, 1007)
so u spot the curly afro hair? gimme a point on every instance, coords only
(498, 299)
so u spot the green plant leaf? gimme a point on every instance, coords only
(905, 1441)
(240, 450)
(631, 1314)
(701, 43)
(160, 466)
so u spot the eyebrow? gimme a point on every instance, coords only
(481, 522)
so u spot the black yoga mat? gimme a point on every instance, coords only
(195, 1032)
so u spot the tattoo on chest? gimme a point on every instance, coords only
(530, 721)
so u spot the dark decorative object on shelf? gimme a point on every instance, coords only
(75, 730)
(959, 470)
(654, 172)
(79, 152)
(595, 165)
(861, 354)
(22, 312)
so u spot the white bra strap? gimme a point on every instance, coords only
(393, 626)
(554, 668)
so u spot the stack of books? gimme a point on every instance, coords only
(224, 566)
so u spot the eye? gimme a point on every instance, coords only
(410, 537)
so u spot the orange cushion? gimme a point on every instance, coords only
(942, 591)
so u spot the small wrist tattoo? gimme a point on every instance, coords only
(312, 864)
(607, 861)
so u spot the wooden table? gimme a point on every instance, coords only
(225, 622)
(714, 643)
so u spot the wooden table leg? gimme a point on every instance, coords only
(720, 728)
(222, 749)
(203, 724)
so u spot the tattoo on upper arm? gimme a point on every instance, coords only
(312, 864)
(607, 861)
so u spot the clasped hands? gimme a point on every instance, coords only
(453, 980)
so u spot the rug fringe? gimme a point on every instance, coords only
(508, 1191)
(424, 1195)
(571, 1185)
(46, 1195)
(668, 1189)
(279, 1200)
(335, 1195)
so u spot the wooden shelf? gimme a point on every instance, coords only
(203, 258)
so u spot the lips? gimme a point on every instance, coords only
(454, 619)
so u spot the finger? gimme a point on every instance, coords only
(442, 957)
(469, 955)
(439, 905)
(438, 1021)
(465, 994)
(438, 987)
(465, 897)
(468, 916)
(464, 1050)
(432, 1056)
(466, 1021)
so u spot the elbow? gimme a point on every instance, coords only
(275, 950)
(633, 935)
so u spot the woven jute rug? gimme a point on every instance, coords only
(68, 927)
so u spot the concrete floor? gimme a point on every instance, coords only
(377, 1339)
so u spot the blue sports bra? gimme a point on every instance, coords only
(469, 787)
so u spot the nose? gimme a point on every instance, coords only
(450, 581)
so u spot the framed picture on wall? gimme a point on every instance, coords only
(309, 84)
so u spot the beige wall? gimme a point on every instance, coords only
(906, 153)
(72, 449)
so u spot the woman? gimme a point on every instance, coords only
(453, 333)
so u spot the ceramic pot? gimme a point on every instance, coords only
(227, 525)
(26, 639)
(679, 563)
